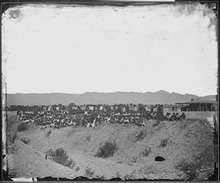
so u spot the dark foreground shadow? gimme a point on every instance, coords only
(96, 179)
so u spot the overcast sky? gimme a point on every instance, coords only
(106, 49)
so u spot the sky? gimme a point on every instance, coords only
(81, 49)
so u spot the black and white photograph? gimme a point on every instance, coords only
(108, 91)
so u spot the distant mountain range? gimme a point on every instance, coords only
(159, 97)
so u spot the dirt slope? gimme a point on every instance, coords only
(165, 150)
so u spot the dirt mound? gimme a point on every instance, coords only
(27, 162)
(166, 150)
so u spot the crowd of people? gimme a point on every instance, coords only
(92, 115)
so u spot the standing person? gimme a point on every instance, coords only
(183, 116)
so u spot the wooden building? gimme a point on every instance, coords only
(200, 109)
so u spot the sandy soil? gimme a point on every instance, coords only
(186, 147)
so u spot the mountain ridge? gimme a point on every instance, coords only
(158, 97)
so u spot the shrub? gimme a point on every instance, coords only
(163, 143)
(12, 149)
(25, 140)
(101, 177)
(89, 172)
(146, 151)
(77, 169)
(23, 127)
(183, 126)
(107, 150)
(88, 138)
(12, 173)
(134, 159)
(188, 168)
(13, 138)
(48, 133)
(118, 175)
(50, 152)
(128, 177)
(140, 136)
(60, 156)
(156, 123)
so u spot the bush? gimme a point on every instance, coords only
(48, 133)
(134, 159)
(146, 151)
(25, 140)
(77, 169)
(107, 150)
(50, 153)
(12, 173)
(156, 123)
(118, 175)
(100, 177)
(188, 168)
(88, 138)
(140, 136)
(60, 156)
(163, 143)
(89, 172)
(23, 127)
(13, 138)
(128, 177)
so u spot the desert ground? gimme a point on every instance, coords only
(174, 150)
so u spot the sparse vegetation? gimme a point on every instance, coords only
(77, 169)
(107, 150)
(191, 169)
(88, 138)
(156, 123)
(136, 146)
(188, 168)
(25, 140)
(133, 160)
(183, 126)
(140, 136)
(13, 138)
(48, 133)
(11, 129)
(89, 172)
(118, 175)
(60, 156)
(128, 177)
(163, 143)
(50, 153)
(206, 156)
(101, 177)
(23, 127)
(13, 149)
(12, 173)
(146, 151)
